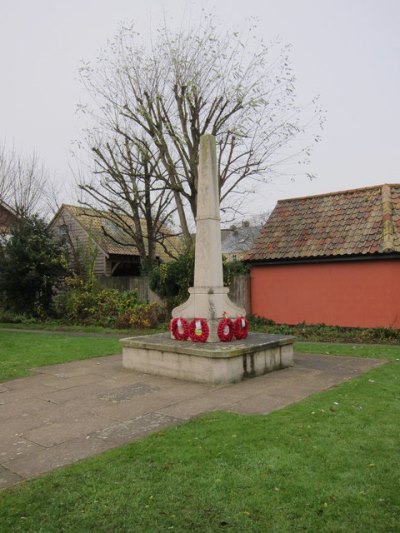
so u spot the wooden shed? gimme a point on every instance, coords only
(92, 233)
(8, 218)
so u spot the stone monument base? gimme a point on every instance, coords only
(214, 362)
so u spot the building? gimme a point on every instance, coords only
(332, 259)
(8, 218)
(93, 236)
(237, 241)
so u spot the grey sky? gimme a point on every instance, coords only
(347, 51)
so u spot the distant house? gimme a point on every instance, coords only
(237, 241)
(8, 218)
(91, 232)
(332, 259)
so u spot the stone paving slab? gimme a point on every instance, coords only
(67, 427)
(8, 478)
(119, 412)
(15, 447)
(127, 392)
(262, 403)
(76, 368)
(132, 429)
(66, 413)
(14, 405)
(196, 406)
(47, 459)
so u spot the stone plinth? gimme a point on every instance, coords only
(211, 362)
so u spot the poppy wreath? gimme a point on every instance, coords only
(225, 330)
(241, 328)
(179, 329)
(198, 330)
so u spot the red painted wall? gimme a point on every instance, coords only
(357, 293)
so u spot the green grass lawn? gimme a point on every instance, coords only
(75, 328)
(21, 351)
(327, 464)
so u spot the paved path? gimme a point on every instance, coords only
(68, 412)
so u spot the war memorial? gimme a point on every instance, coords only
(209, 339)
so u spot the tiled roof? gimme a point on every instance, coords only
(346, 223)
(98, 223)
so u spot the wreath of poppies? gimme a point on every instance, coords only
(225, 330)
(198, 330)
(241, 328)
(179, 329)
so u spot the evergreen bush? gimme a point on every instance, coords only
(171, 281)
(32, 265)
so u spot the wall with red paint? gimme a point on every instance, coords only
(356, 293)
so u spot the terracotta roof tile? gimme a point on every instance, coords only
(354, 222)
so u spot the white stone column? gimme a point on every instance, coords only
(208, 298)
(208, 259)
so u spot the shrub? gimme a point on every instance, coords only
(323, 333)
(171, 281)
(32, 264)
(7, 317)
(141, 317)
(88, 302)
(232, 269)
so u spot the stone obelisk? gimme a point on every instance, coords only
(208, 298)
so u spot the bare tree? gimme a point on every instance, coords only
(128, 183)
(24, 183)
(197, 81)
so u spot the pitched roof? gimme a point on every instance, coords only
(8, 208)
(238, 239)
(8, 217)
(99, 225)
(345, 223)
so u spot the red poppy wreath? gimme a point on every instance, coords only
(198, 330)
(225, 330)
(179, 329)
(241, 328)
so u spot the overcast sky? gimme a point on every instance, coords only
(346, 51)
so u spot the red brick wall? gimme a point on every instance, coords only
(358, 293)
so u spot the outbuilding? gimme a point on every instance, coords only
(330, 259)
(94, 236)
(8, 219)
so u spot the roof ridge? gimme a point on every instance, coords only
(4, 204)
(85, 208)
(339, 193)
(387, 227)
